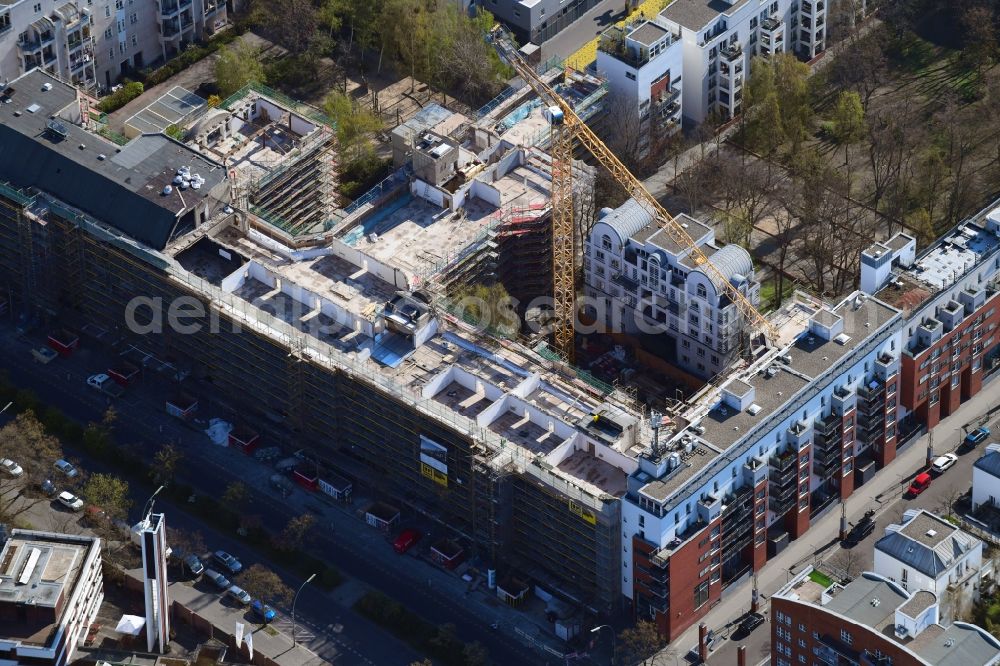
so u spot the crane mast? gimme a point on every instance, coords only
(566, 127)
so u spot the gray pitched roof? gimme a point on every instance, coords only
(989, 462)
(927, 543)
(122, 187)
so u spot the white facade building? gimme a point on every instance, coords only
(703, 48)
(52, 34)
(93, 43)
(51, 588)
(646, 282)
(642, 63)
(986, 478)
(926, 552)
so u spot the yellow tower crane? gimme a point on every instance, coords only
(566, 127)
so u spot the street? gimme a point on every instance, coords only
(821, 543)
(437, 596)
(601, 17)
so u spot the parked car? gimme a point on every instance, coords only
(11, 467)
(48, 488)
(231, 564)
(943, 463)
(98, 381)
(217, 579)
(193, 563)
(70, 501)
(238, 594)
(66, 468)
(751, 622)
(44, 354)
(406, 539)
(977, 436)
(921, 483)
(262, 610)
(861, 529)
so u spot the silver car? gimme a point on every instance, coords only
(217, 579)
(239, 595)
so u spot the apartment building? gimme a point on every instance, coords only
(643, 63)
(695, 55)
(133, 34)
(537, 21)
(93, 43)
(926, 552)
(870, 620)
(325, 314)
(645, 282)
(949, 297)
(747, 466)
(986, 478)
(51, 588)
(54, 35)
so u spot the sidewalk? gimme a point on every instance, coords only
(885, 487)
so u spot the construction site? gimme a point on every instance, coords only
(330, 326)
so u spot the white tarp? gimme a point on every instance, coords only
(218, 431)
(131, 625)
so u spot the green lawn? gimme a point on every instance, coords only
(821, 578)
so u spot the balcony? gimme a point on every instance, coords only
(770, 24)
(732, 52)
(783, 462)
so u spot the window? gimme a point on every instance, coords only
(135, 41)
(783, 633)
(702, 292)
(107, 11)
(111, 53)
(701, 595)
(38, 7)
(134, 18)
(108, 34)
(630, 76)
(846, 637)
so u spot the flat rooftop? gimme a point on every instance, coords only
(39, 569)
(941, 264)
(648, 33)
(177, 106)
(697, 14)
(776, 382)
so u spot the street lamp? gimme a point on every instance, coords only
(6, 407)
(294, 601)
(607, 626)
(148, 508)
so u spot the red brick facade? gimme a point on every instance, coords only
(929, 387)
(792, 622)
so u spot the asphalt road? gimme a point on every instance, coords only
(143, 423)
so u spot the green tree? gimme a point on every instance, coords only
(488, 307)
(295, 532)
(109, 493)
(355, 124)
(848, 118)
(165, 463)
(639, 644)
(777, 103)
(25, 441)
(262, 583)
(235, 496)
(238, 64)
(848, 125)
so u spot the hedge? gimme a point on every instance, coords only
(116, 100)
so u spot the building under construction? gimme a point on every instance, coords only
(324, 329)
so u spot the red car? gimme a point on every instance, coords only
(405, 540)
(921, 483)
